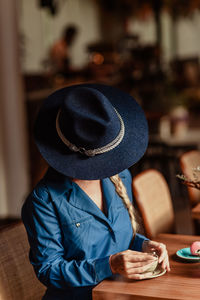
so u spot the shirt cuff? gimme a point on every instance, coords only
(102, 268)
(138, 241)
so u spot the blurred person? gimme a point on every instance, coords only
(60, 51)
(79, 218)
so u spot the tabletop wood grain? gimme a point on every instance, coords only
(181, 283)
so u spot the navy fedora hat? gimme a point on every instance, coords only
(91, 131)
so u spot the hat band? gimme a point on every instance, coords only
(92, 152)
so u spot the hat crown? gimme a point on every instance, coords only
(88, 119)
(119, 143)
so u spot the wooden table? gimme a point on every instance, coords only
(182, 283)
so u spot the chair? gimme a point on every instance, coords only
(188, 161)
(17, 277)
(154, 202)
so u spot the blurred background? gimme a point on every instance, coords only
(150, 49)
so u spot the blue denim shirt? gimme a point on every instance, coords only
(71, 239)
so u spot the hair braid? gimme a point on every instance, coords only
(121, 191)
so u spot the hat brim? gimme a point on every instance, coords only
(77, 165)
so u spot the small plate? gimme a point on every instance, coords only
(158, 272)
(186, 254)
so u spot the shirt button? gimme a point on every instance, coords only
(78, 224)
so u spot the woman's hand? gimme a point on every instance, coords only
(131, 264)
(160, 250)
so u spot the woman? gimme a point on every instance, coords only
(60, 51)
(79, 218)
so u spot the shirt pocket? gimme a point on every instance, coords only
(77, 234)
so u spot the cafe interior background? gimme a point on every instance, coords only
(150, 49)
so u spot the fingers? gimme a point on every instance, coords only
(137, 273)
(164, 258)
(128, 269)
(165, 263)
(128, 262)
(140, 276)
(135, 265)
(140, 269)
(134, 268)
(147, 263)
(160, 249)
(134, 256)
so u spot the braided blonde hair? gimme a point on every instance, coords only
(121, 191)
